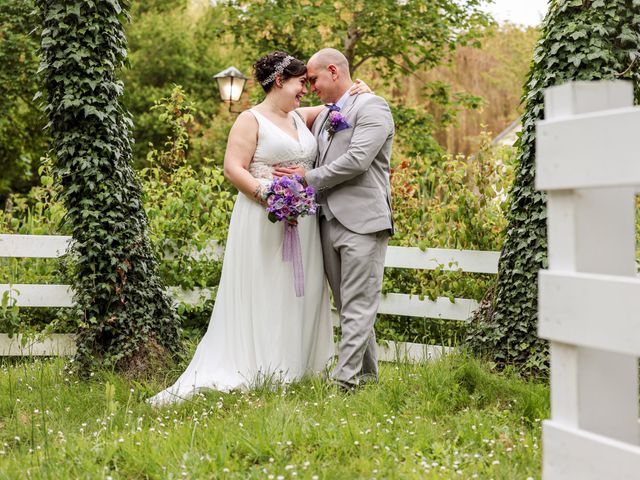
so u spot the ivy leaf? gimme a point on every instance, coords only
(116, 6)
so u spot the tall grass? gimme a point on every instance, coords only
(448, 419)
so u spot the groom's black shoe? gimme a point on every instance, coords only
(367, 379)
(343, 387)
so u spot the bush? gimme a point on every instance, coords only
(452, 202)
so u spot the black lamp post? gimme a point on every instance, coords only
(231, 84)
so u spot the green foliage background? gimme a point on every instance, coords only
(22, 139)
(171, 44)
(581, 40)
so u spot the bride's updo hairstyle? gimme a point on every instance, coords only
(276, 63)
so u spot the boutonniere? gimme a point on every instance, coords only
(336, 121)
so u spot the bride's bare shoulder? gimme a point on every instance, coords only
(246, 121)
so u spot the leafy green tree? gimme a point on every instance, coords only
(161, 6)
(581, 40)
(22, 140)
(171, 45)
(393, 35)
(127, 320)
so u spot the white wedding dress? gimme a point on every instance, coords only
(259, 330)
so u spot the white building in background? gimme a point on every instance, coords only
(508, 137)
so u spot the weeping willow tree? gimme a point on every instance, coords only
(581, 40)
(125, 318)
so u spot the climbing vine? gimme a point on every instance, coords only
(580, 40)
(126, 319)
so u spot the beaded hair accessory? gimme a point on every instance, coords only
(278, 70)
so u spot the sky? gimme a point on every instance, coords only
(524, 12)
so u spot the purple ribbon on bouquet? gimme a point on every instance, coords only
(292, 252)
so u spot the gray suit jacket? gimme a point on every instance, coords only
(353, 167)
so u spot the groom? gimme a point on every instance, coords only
(351, 176)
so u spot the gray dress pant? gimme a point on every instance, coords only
(354, 264)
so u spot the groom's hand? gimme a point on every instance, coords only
(288, 172)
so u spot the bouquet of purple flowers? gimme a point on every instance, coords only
(287, 200)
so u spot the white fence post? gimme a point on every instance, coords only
(587, 160)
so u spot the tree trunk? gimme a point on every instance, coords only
(125, 318)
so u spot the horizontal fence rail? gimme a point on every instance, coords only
(51, 246)
(413, 306)
(33, 246)
(470, 261)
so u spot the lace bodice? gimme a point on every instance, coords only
(278, 148)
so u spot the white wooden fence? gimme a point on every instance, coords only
(44, 246)
(588, 160)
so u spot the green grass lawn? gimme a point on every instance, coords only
(448, 419)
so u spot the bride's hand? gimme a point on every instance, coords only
(359, 87)
(288, 172)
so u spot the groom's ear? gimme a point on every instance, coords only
(333, 70)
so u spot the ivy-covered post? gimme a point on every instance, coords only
(580, 40)
(126, 319)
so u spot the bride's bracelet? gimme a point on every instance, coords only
(260, 193)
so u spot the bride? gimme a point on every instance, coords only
(259, 330)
